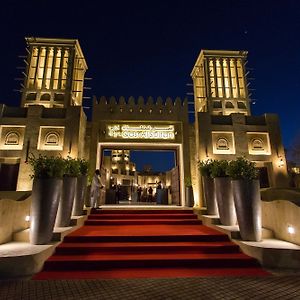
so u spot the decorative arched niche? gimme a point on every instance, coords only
(259, 143)
(51, 138)
(12, 137)
(223, 142)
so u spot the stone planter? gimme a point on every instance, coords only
(46, 194)
(66, 202)
(248, 208)
(87, 200)
(209, 196)
(79, 195)
(162, 196)
(189, 196)
(224, 197)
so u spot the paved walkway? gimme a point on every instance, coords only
(273, 287)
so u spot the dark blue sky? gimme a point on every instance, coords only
(148, 48)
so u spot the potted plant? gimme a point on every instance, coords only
(223, 192)
(46, 192)
(71, 171)
(246, 195)
(208, 187)
(189, 197)
(81, 187)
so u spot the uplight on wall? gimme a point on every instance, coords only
(291, 229)
(27, 218)
(280, 162)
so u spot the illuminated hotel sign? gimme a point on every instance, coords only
(145, 132)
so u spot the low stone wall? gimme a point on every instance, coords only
(14, 207)
(281, 209)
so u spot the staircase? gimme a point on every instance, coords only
(135, 243)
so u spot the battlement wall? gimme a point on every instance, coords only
(141, 108)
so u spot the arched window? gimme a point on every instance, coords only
(52, 138)
(12, 138)
(229, 104)
(46, 97)
(241, 105)
(222, 144)
(31, 96)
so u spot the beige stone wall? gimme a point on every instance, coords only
(277, 215)
(12, 216)
(242, 129)
(195, 175)
(71, 122)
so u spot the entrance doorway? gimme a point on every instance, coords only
(141, 174)
(8, 176)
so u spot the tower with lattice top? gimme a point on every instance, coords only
(54, 75)
(219, 81)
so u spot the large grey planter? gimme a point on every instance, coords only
(79, 195)
(46, 194)
(189, 196)
(162, 196)
(66, 202)
(248, 208)
(209, 196)
(87, 200)
(224, 197)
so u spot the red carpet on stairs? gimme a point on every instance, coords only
(137, 243)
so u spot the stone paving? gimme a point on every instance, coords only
(272, 287)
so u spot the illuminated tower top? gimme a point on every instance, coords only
(55, 73)
(219, 81)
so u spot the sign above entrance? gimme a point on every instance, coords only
(143, 132)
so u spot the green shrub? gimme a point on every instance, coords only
(204, 167)
(72, 167)
(46, 167)
(242, 168)
(219, 168)
(83, 166)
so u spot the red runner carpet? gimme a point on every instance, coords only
(146, 243)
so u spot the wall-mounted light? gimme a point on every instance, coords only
(27, 218)
(291, 229)
(280, 162)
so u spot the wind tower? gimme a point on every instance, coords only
(219, 81)
(54, 75)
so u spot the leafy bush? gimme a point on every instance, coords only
(242, 168)
(46, 167)
(219, 168)
(72, 167)
(204, 167)
(83, 166)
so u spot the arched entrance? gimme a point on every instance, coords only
(127, 125)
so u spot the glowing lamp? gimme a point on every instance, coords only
(291, 229)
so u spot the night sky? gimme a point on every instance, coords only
(148, 48)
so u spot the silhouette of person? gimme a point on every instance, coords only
(139, 193)
(95, 189)
(118, 193)
(150, 194)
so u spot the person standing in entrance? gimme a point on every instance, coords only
(139, 193)
(95, 189)
(150, 194)
(118, 194)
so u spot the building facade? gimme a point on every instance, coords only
(51, 121)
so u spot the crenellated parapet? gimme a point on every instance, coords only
(141, 107)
